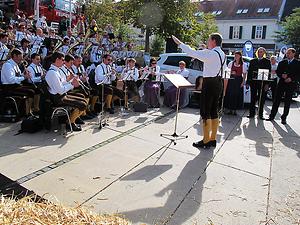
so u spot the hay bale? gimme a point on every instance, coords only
(26, 211)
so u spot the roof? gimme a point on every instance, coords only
(242, 9)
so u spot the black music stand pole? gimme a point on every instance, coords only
(174, 137)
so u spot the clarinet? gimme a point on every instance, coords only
(84, 88)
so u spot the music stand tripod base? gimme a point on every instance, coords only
(174, 137)
(179, 81)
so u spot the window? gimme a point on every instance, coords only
(219, 12)
(214, 12)
(260, 10)
(236, 32)
(64, 5)
(259, 32)
(190, 63)
(245, 11)
(239, 11)
(266, 10)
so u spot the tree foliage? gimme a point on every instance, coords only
(157, 46)
(291, 30)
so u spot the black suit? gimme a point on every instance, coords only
(292, 70)
(255, 85)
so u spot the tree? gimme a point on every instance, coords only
(157, 46)
(291, 30)
(163, 17)
(203, 29)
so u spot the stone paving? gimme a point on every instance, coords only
(251, 177)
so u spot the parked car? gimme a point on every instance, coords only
(170, 61)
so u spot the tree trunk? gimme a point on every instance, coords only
(147, 40)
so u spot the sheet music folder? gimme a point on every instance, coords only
(179, 81)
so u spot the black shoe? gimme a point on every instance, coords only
(74, 127)
(213, 143)
(283, 121)
(87, 117)
(250, 116)
(110, 110)
(94, 113)
(79, 121)
(270, 119)
(201, 144)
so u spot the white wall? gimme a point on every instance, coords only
(272, 26)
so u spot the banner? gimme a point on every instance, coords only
(282, 53)
(248, 49)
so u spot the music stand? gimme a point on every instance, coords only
(179, 82)
(262, 75)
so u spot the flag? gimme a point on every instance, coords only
(248, 49)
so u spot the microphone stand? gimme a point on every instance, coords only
(102, 121)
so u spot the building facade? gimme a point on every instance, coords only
(242, 20)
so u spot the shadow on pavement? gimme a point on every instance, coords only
(175, 190)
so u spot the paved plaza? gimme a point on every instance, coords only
(251, 177)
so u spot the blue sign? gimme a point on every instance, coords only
(248, 50)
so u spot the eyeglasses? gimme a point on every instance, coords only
(153, 63)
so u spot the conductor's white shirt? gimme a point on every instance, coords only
(11, 73)
(103, 74)
(55, 82)
(210, 58)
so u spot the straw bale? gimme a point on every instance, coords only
(26, 211)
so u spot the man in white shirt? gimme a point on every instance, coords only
(96, 54)
(37, 41)
(214, 66)
(129, 76)
(11, 78)
(3, 48)
(104, 74)
(58, 90)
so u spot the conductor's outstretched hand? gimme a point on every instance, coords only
(176, 40)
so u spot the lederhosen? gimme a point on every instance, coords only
(79, 90)
(211, 92)
(68, 100)
(110, 89)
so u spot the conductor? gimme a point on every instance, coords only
(214, 65)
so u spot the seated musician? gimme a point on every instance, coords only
(3, 48)
(170, 92)
(104, 74)
(37, 41)
(129, 76)
(65, 47)
(11, 78)
(21, 33)
(151, 87)
(96, 54)
(67, 74)
(36, 72)
(58, 90)
(25, 48)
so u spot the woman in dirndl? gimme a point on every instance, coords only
(171, 91)
(234, 92)
(152, 85)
